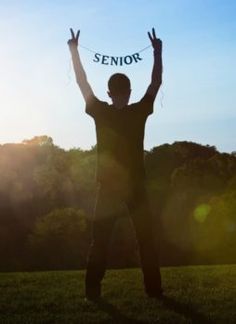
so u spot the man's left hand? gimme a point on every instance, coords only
(156, 42)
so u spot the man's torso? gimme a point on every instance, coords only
(120, 135)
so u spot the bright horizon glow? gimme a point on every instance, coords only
(39, 95)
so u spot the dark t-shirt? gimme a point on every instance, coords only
(120, 134)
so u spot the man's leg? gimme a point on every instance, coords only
(142, 218)
(103, 221)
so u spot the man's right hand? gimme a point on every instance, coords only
(73, 41)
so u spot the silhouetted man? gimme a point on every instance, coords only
(120, 168)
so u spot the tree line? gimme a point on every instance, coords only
(47, 196)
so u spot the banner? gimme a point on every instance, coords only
(116, 60)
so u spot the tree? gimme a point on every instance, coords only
(42, 140)
(60, 239)
(215, 229)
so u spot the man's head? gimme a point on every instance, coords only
(119, 90)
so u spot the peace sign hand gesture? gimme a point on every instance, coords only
(156, 42)
(73, 42)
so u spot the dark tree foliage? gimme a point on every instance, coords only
(47, 197)
(59, 239)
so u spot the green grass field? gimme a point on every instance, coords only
(196, 294)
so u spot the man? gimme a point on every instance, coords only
(120, 168)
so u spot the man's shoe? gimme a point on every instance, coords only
(93, 299)
(93, 293)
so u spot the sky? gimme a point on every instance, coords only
(39, 95)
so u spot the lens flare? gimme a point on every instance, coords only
(201, 212)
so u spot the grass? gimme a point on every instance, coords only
(194, 294)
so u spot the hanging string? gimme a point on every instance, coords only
(69, 70)
(162, 96)
(162, 92)
(92, 51)
(88, 49)
(144, 49)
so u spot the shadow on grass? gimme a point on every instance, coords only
(184, 309)
(115, 314)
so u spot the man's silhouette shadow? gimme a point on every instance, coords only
(183, 309)
(116, 315)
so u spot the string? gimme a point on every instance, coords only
(68, 73)
(88, 49)
(162, 92)
(162, 96)
(92, 51)
(144, 49)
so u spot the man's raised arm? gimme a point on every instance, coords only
(157, 66)
(80, 74)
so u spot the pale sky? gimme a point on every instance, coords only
(39, 95)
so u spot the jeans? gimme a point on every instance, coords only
(107, 206)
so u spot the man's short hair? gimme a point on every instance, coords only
(118, 84)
